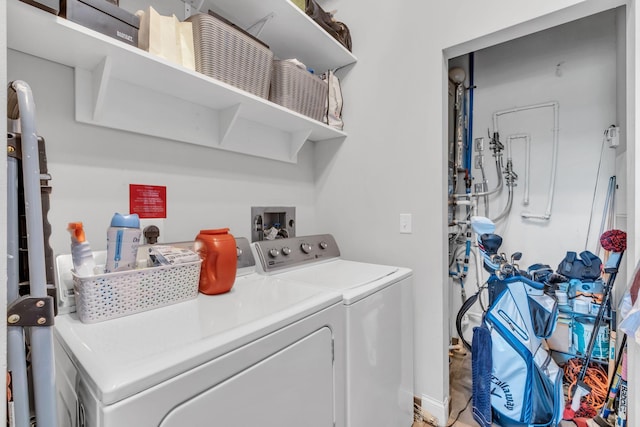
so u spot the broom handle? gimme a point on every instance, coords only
(614, 382)
(613, 272)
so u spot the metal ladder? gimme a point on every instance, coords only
(30, 317)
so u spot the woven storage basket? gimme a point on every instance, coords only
(298, 90)
(111, 295)
(229, 55)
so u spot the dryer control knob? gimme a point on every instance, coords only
(306, 248)
(286, 250)
(274, 252)
(238, 252)
(323, 245)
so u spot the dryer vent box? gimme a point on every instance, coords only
(270, 223)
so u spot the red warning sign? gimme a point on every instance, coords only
(148, 201)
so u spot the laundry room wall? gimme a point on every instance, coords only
(92, 167)
(393, 160)
(574, 65)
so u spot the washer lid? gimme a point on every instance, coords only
(124, 356)
(355, 280)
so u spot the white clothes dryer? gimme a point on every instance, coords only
(378, 306)
(263, 354)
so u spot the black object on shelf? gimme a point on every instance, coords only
(338, 30)
(51, 6)
(103, 16)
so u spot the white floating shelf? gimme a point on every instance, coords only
(288, 31)
(123, 87)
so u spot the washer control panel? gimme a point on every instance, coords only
(274, 255)
(245, 257)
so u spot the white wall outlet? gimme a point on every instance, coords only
(405, 223)
(158, 222)
(613, 136)
(477, 162)
(479, 144)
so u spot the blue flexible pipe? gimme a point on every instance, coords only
(470, 117)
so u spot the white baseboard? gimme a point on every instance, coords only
(437, 409)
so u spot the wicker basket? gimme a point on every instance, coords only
(226, 53)
(112, 295)
(298, 90)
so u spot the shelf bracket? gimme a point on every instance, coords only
(261, 23)
(227, 118)
(297, 141)
(191, 7)
(100, 82)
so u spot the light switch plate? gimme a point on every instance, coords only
(405, 223)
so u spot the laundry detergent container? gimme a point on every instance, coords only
(217, 249)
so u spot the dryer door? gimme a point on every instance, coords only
(291, 387)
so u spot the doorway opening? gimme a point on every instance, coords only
(537, 147)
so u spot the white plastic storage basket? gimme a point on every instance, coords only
(298, 90)
(224, 52)
(111, 295)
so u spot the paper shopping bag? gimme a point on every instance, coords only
(166, 37)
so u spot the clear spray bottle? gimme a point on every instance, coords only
(81, 255)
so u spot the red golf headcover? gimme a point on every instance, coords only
(614, 240)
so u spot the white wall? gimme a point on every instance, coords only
(526, 72)
(92, 168)
(393, 161)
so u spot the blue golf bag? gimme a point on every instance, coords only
(526, 383)
(515, 380)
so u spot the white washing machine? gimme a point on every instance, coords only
(266, 353)
(378, 306)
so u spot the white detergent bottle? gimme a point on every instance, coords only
(123, 239)
(81, 255)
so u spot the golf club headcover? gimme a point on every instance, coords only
(491, 243)
(614, 240)
(482, 225)
(556, 278)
